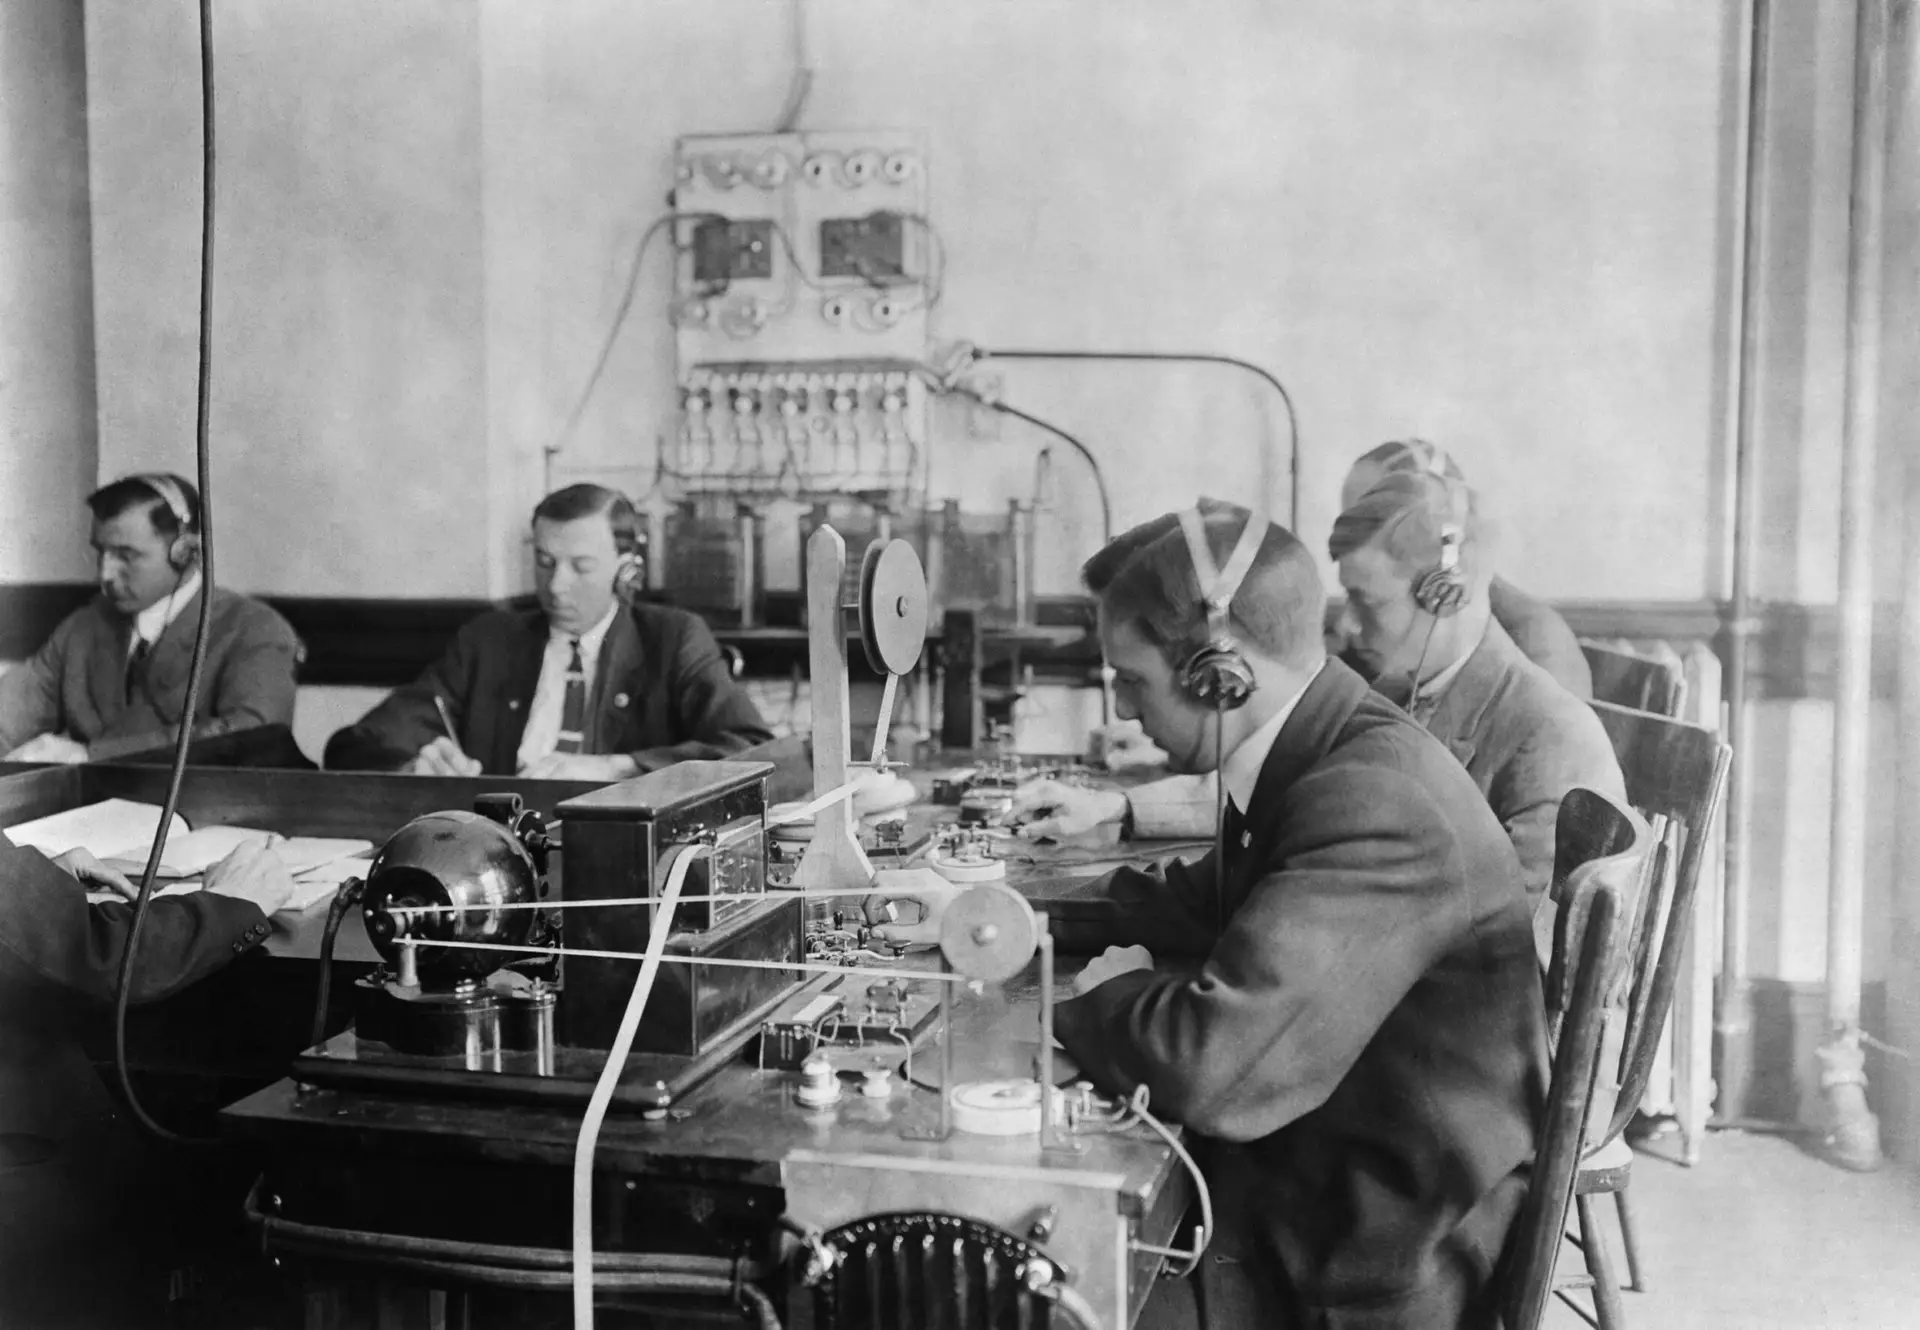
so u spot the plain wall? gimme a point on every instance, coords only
(47, 445)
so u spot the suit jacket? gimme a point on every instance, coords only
(76, 684)
(661, 694)
(1526, 741)
(1542, 636)
(1362, 1049)
(59, 962)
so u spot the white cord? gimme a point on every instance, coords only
(1138, 1106)
(683, 857)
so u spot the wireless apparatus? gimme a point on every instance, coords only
(185, 546)
(1217, 675)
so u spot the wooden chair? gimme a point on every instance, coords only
(1675, 777)
(1629, 679)
(1584, 979)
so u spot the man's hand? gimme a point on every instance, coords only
(94, 875)
(582, 766)
(921, 887)
(253, 872)
(1057, 811)
(442, 757)
(1110, 963)
(1124, 744)
(49, 748)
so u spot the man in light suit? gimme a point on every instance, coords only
(112, 679)
(1358, 1039)
(587, 687)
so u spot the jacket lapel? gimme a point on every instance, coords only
(107, 663)
(170, 661)
(1307, 737)
(622, 655)
(1457, 718)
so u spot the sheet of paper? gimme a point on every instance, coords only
(110, 828)
(194, 853)
(310, 889)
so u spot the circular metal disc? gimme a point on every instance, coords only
(893, 606)
(988, 932)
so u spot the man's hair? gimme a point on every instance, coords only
(1404, 513)
(578, 501)
(110, 501)
(1419, 456)
(1146, 577)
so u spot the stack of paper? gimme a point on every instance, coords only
(119, 833)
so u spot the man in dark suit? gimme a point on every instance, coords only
(1361, 1048)
(588, 687)
(60, 956)
(112, 679)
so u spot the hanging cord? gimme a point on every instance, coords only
(1413, 696)
(184, 735)
(1220, 819)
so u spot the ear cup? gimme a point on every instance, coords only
(1218, 677)
(630, 578)
(183, 552)
(1440, 592)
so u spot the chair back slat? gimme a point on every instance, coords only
(1678, 772)
(1590, 949)
(1629, 679)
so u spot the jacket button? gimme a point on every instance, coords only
(620, 699)
(513, 704)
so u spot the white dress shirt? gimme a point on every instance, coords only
(550, 694)
(156, 618)
(1187, 806)
(1428, 695)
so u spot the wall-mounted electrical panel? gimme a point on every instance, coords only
(807, 269)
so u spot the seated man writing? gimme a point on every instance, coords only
(587, 687)
(112, 680)
(1434, 644)
(1361, 1048)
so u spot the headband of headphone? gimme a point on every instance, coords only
(1217, 674)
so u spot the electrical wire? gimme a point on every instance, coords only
(1187, 358)
(802, 85)
(1093, 463)
(1219, 816)
(197, 667)
(565, 436)
(1413, 695)
(1203, 1236)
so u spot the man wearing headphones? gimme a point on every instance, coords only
(112, 679)
(1542, 636)
(1417, 608)
(591, 686)
(1358, 1044)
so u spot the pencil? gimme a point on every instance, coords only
(445, 720)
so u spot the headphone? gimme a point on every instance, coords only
(1443, 589)
(184, 549)
(630, 578)
(1217, 675)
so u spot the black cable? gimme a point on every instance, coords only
(183, 738)
(1190, 358)
(1093, 463)
(1413, 695)
(1220, 815)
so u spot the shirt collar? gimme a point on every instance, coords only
(1241, 771)
(156, 618)
(591, 639)
(1430, 691)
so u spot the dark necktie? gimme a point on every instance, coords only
(573, 711)
(1233, 826)
(136, 681)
